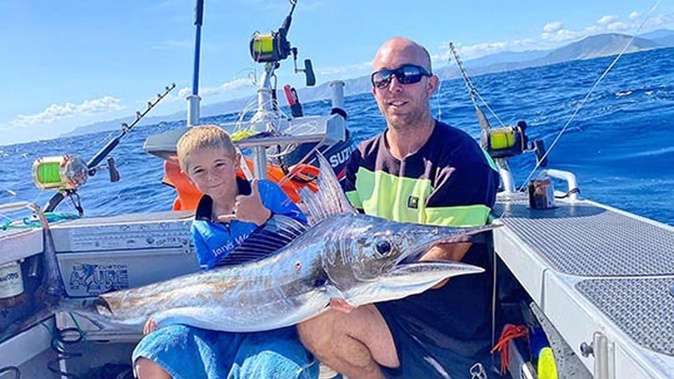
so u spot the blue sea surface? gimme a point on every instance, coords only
(620, 144)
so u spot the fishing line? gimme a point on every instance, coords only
(596, 84)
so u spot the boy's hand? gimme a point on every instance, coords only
(249, 208)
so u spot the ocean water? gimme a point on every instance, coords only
(620, 144)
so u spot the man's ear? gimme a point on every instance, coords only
(432, 85)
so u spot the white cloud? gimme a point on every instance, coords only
(553, 27)
(482, 49)
(555, 32)
(225, 87)
(606, 20)
(182, 93)
(619, 27)
(57, 112)
(660, 21)
(635, 15)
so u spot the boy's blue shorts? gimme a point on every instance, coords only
(191, 353)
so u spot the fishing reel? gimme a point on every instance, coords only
(272, 47)
(275, 47)
(509, 141)
(67, 172)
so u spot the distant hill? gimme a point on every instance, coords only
(506, 57)
(588, 48)
(598, 46)
(665, 41)
(591, 47)
(661, 36)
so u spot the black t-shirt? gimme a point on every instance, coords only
(449, 181)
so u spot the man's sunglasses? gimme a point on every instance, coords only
(406, 74)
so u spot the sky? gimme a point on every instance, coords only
(67, 63)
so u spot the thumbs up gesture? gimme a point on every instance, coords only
(248, 208)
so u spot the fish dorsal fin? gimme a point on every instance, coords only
(279, 231)
(329, 200)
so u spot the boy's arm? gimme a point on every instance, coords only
(249, 208)
(278, 202)
(265, 200)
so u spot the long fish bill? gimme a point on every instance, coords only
(410, 279)
(430, 270)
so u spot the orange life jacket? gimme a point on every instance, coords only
(188, 194)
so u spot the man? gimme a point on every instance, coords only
(424, 171)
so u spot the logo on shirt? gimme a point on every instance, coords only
(413, 202)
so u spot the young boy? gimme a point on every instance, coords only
(230, 210)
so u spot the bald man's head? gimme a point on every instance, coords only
(402, 48)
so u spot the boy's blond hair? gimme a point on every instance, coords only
(204, 137)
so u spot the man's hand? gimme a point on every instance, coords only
(248, 208)
(150, 326)
(341, 305)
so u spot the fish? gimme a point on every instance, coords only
(339, 254)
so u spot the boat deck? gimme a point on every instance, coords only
(597, 272)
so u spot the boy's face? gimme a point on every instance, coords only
(213, 171)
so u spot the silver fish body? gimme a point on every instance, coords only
(342, 254)
(350, 256)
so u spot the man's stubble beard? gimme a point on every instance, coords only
(408, 122)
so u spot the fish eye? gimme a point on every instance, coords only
(383, 247)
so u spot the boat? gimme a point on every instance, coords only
(565, 265)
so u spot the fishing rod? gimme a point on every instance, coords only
(505, 141)
(193, 111)
(67, 173)
(472, 92)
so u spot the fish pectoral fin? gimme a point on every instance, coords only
(411, 279)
